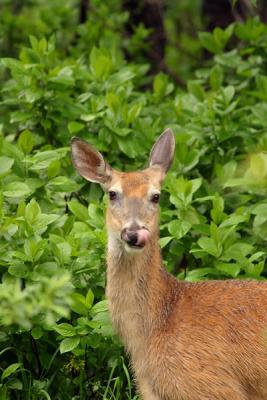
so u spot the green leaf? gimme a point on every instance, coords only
(209, 246)
(207, 40)
(19, 270)
(88, 117)
(32, 211)
(258, 165)
(11, 369)
(196, 89)
(160, 84)
(237, 251)
(254, 3)
(231, 269)
(69, 344)
(216, 77)
(134, 112)
(34, 42)
(178, 228)
(34, 249)
(14, 65)
(123, 75)
(37, 332)
(217, 213)
(5, 164)
(75, 127)
(196, 183)
(42, 46)
(102, 324)
(113, 102)
(26, 141)
(233, 220)
(99, 307)
(44, 220)
(228, 93)
(63, 184)
(96, 217)
(164, 241)
(14, 384)
(89, 300)
(222, 36)
(42, 159)
(255, 270)
(62, 80)
(100, 64)
(257, 255)
(78, 304)
(63, 252)
(17, 189)
(65, 329)
(198, 274)
(79, 210)
(130, 148)
(260, 209)
(53, 169)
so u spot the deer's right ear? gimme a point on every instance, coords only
(89, 162)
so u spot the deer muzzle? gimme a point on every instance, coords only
(136, 238)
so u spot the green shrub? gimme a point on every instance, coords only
(56, 337)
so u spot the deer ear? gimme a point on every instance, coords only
(162, 152)
(89, 162)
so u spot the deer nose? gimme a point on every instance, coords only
(135, 237)
(131, 237)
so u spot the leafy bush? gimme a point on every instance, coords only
(56, 338)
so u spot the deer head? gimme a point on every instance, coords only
(132, 213)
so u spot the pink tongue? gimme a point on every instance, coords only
(142, 237)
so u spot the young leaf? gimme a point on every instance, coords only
(69, 344)
(11, 369)
(75, 127)
(37, 332)
(65, 329)
(26, 141)
(178, 228)
(89, 300)
(231, 269)
(17, 189)
(79, 210)
(5, 165)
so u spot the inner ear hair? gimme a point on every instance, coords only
(89, 163)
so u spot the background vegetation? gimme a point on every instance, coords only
(102, 71)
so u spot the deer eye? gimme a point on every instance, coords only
(112, 195)
(155, 198)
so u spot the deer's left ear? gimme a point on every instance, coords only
(162, 152)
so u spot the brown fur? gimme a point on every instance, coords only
(187, 341)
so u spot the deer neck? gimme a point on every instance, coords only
(136, 287)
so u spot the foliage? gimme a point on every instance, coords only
(56, 338)
(183, 49)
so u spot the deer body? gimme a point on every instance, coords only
(187, 341)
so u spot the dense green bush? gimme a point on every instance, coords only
(56, 338)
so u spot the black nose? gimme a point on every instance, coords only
(130, 236)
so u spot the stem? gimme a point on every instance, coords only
(37, 357)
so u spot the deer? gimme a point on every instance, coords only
(186, 340)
